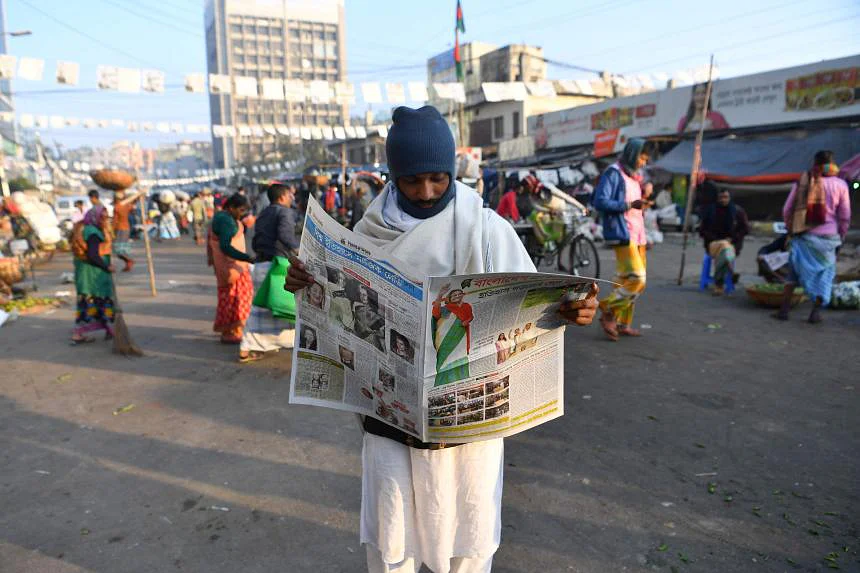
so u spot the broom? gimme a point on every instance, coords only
(122, 342)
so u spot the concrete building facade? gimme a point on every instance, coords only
(278, 39)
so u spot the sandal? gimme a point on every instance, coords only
(82, 340)
(251, 357)
(607, 322)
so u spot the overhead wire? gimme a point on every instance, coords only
(152, 19)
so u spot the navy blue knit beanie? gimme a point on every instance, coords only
(420, 141)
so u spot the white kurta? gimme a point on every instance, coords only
(434, 505)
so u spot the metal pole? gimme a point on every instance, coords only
(694, 173)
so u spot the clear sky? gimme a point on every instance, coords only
(390, 40)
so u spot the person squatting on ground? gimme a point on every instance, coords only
(433, 503)
(817, 215)
(91, 245)
(724, 226)
(619, 199)
(226, 254)
(271, 323)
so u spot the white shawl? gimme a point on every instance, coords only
(464, 238)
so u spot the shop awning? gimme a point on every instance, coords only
(764, 159)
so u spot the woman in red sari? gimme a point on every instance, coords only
(226, 250)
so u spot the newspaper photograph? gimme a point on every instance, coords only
(445, 359)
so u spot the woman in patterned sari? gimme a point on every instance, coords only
(91, 244)
(226, 250)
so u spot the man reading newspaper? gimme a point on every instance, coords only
(437, 504)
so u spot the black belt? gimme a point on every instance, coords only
(377, 428)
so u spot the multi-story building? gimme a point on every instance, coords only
(489, 118)
(272, 39)
(7, 129)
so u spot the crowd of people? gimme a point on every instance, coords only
(421, 217)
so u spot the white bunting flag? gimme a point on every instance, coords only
(7, 66)
(383, 131)
(195, 83)
(418, 91)
(662, 79)
(245, 86)
(453, 91)
(295, 132)
(295, 91)
(504, 91)
(306, 133)
(273, 89)
(103, 124)
(319, 91)
(56, 122)
(283, 130)
(68, 73)
(107, 78)
(644, 81)
(360, 132)
(257, 131)
(219, 84)
(395, 92)
(117, 123)
(245, 130)
(316, 132)
(147, 126)
(541, 89)
(128, 80)
(350, 132)
(73, 121)
(133, 126)
(31, 69)
(153, 81)
(270, 129)
(42, 121)
(176, 127)
(162, 127)
(344, 93)
(371, 93)
(7, 116)
(339, 132)
(27, 120)
(328, 133)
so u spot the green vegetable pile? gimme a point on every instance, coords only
(28, 302)
(773, 288)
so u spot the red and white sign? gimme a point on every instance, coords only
(605, 142)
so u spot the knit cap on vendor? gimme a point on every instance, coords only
(420, 141)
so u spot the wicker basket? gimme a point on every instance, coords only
(10, 270)
(773, 299)
(113, 179)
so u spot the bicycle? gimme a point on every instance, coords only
(581, 257)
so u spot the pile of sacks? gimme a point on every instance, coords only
(41, 217)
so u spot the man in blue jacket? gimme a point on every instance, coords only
(619, 199)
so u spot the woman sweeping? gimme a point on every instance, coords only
(817, 214)
(91, 244)
(226, 250)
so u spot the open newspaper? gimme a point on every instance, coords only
(445, 359)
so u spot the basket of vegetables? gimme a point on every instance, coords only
(770, 294)
(113, 179)
(31, 305)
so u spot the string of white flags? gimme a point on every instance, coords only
(319, 132)
(134, 80)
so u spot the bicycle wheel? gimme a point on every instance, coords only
(583, 258)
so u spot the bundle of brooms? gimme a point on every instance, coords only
(122, 342)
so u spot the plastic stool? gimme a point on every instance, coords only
(706, 279)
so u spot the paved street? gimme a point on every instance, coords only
(722, 441)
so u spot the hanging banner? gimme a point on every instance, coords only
(245, 86)
(128, 80)
(219, 84)
(605, 142)
(418, 91)
(7, 66)
(823, 90)
(371, 93)
(195, 83)
(306, 133)
(395, 92)
(339, 132)
(327, 132)
(68, 73)
(153, 81)
(31, 69)
(504, 91)
(319, 91)
(541, 89)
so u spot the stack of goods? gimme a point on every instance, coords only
(846, 295)
(41, 218)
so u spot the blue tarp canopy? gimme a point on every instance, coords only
(765, 155)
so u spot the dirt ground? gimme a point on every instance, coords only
(721, 441)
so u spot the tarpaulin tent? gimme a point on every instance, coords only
(765, 159)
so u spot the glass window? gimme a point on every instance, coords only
(236, 28)
(516, 117)
(499, 128)
(294, 34)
